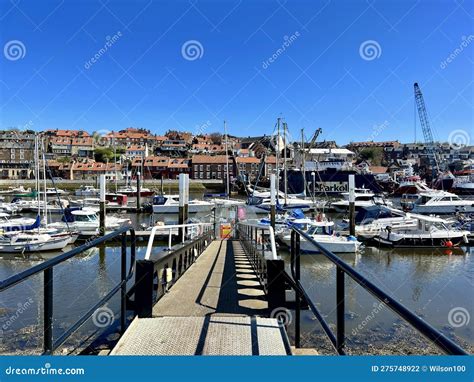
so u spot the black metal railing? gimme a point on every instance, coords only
(49, 343)
(156, 275)
(258, 243)
(342, 269)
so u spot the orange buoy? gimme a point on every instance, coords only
(448, 243)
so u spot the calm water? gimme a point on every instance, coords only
(432, 283)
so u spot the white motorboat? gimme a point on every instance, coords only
(7, 221)
(430, 232)
(24, 242)
(362, 198)
(133, 191)
(51, 191)
(439, 202)
(370, 220)
(87, 191)
(53, 206)
(9, 208)
(169, 204)
(323, 233)
(86, 221)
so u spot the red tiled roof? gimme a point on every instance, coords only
(210, 159)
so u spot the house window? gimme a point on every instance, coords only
(201, 167)
(196, 167)
(219, 168)
(208, 175)
(200, 175)
(219, 175)
(208, 167)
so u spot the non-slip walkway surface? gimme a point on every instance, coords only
(220, 281)
(213, 309)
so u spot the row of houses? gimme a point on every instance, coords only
(203, 167)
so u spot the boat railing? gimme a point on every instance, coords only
(184, 230)
(49, 343)
(342, 269)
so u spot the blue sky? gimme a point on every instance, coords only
(322, 78)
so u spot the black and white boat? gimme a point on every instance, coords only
(430, 232)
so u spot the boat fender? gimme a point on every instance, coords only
(448, 243)
(351, 238)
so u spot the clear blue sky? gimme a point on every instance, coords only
(319, 80)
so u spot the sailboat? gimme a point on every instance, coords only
(34, 237)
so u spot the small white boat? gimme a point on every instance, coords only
(24, 242)
(362, 198)
(51, 191)
(323, 233)
(86, 221)
(87, 191)
(132, 191)
(169, 204)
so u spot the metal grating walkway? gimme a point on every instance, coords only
(212, 309)
(211, 335)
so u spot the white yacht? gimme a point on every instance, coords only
(362, 198)
(86, 221)
(370, 220)
(430, 232)
(87, 191)
(169, 204)
(323, 233)
(439, 202)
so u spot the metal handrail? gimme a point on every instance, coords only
(271, 234)
(436, 337)
(170, 228)
(46, 267)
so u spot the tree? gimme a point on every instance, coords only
(216, 138)
(372, 154)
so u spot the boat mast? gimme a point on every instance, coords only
(278, 160)
(226, 161)
(36, 160)
(303, 162)
(285, 129)
(44, 184)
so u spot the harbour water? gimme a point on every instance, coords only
(432, 282)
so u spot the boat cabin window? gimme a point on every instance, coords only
(320, 230)
(85, 218)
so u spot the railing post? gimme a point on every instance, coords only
(297, 293)
(263, 245)
(144, 288)
(123, 278)
(276, 294)
(340, 310)
(48, 311)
